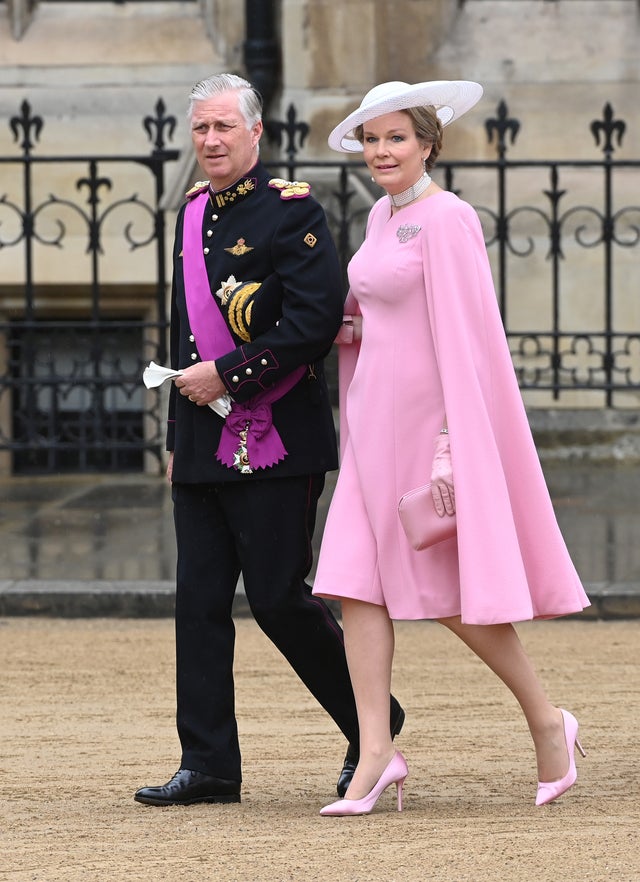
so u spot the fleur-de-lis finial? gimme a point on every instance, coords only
(157, 125)
(502, 124)
(276, 129)
(29, 125)
(608, 127)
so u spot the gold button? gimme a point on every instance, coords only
(263, 362)
(248, 372)
(235, 379)
(194, 355)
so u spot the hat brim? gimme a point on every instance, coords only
(451, 98)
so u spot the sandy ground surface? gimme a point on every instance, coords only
(86, 717)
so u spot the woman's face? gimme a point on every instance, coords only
(392, 151)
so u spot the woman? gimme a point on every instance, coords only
(423, 357)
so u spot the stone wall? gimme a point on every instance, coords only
(555, 62)
(94, 70)
(97, 68)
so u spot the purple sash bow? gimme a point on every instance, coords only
(249, 425)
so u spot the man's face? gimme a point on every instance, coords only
(225, 148)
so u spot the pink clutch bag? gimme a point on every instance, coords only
(422, 524)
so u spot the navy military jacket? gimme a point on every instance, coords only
(274, 273)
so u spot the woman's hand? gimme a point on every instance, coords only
(350, 330)
(444, 499)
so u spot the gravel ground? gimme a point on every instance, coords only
(87, 716)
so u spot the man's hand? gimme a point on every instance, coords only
(201, 383)
(444, 499)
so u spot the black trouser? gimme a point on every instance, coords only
(262, 528)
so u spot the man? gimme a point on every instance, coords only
(256, 305)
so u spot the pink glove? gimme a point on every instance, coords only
(444, 499)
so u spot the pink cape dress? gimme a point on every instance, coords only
(433, 344)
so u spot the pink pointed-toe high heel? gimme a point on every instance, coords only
(395, 773)
(548, 791)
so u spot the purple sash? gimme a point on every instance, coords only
(249, 428)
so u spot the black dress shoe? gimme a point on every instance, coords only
(187, 788)
(353, 755)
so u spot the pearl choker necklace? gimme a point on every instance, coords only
(411, 193)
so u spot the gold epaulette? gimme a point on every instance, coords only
(198, 187)
(290, 189)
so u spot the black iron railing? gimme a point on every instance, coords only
(74, 349)
(563, 238)
(564, 241)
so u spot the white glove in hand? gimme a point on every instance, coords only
(444, 499)
(155, 374)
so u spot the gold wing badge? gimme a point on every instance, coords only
(239, 248)
(238, 299)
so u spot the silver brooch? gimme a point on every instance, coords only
(407, 231)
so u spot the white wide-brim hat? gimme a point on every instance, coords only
(451, 98)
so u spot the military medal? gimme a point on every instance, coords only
(241, 455)
(226, 289)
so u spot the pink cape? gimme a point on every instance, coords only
(511, 562)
